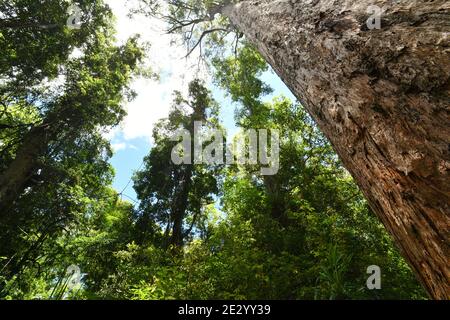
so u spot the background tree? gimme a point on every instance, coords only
(53, 158)
(171, 194)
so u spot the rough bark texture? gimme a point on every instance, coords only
(382, 98)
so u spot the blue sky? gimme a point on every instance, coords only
(131, 141)
(127, 160)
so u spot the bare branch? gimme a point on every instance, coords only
(206, 32)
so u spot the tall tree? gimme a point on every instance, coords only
(54, 106)
(90, 96)
(171, 193)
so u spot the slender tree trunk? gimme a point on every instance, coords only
(382, 98)
(179, 207)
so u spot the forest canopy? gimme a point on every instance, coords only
(197, 230)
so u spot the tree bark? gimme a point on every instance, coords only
(382, 97)
(14, 178)
(180, 204)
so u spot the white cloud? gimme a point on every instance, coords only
(165, 57)
(119, 146)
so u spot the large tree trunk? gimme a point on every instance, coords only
(35, 143)
(382, 98)
(14, 178)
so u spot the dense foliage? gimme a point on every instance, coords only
(201, 231)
